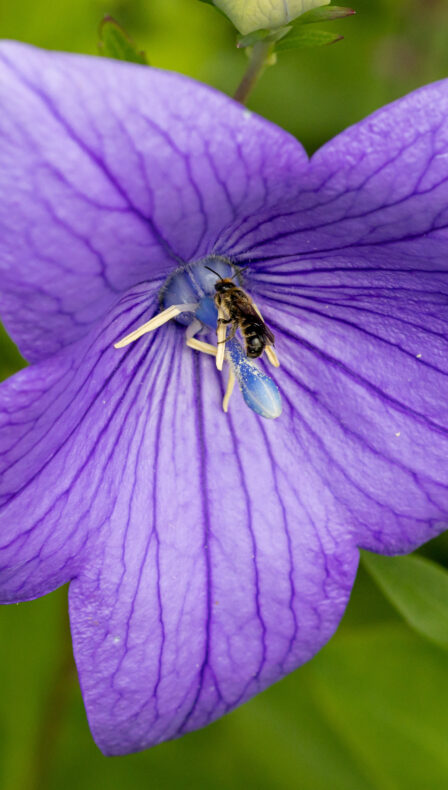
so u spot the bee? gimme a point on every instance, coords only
(236, 308)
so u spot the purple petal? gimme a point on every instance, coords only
(210, 553)
(112, 174)
(203, 570)
(56, 439)
(355, 276)
(364, 352)
(384, 180)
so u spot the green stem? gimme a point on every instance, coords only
(257, 63)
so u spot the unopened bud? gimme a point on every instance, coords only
(250, 15)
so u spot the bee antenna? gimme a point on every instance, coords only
(212, 270)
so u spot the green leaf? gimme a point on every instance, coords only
(324, 14)
(10, 358)
(117, 44)
(304, 39)
(383, 689)
(418, 588)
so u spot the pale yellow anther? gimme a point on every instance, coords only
(199, 345)
(221, 332)
(229, 389)
(155, 323)
(272, 356)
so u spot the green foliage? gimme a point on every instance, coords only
(297, 36)
(324, 14)
(116, 43)
(418, 588)
(10, 359)
(384, 692)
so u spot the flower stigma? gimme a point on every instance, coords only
(188, 296)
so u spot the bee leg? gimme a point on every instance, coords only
(155, 322)
(221, 331)
(229, 389)
(232, 332)
(223, 322)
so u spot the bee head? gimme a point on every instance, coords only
(223, 285)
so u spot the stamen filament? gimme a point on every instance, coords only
(193, 329)
(229, 389)
(199, 345)
(221, 332)
(156, 322)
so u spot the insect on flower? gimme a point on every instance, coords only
(187, 297)
(235, 307)
(209, 555)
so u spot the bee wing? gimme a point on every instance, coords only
(253, 311)
(268, 336)
(246, 307)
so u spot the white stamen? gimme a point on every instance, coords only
(193, 329)
(229, 390)
(199, 345)
(221, 333)
(156, 322)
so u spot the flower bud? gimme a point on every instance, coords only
(250, 15)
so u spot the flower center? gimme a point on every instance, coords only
(207, 295)
(195, 284)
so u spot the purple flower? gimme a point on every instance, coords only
(210, 553)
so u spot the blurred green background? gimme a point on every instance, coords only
(370, 712)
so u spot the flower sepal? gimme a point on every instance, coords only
(323, 14)
(114, 42)
(302, 38)
(299, 36)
